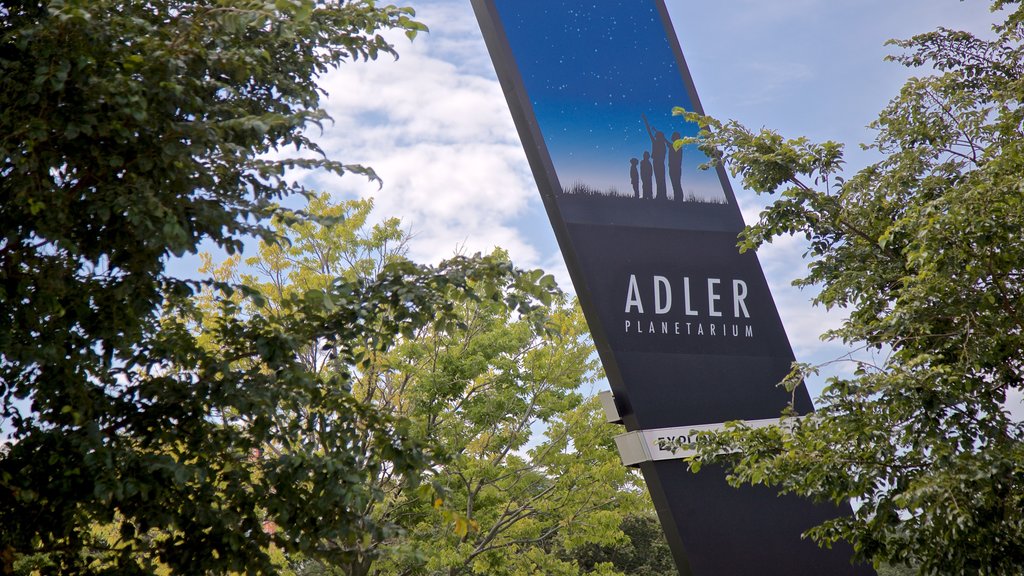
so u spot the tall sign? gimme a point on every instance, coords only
(685, 325)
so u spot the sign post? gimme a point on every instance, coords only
(685, 325)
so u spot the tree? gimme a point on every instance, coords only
(477, 391)
(526, 511)
(923, 250)
(165, 425)
(645, 551)
(129, 133)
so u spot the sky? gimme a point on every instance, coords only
(436, 127)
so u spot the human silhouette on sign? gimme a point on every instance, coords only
(675, 168)
(634, 177)
(658, 149)
(645, 175)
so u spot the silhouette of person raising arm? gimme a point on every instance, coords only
(645, 175)
(634, 177)
(658, 148)
(675, 168)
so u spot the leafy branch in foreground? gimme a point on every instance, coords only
(923, 250)
(131, 132)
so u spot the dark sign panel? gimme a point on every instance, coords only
(685, 325)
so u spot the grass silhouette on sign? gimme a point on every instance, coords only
(646, 176)
(581, 190)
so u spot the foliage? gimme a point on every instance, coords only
(131, 132)
(243, 423)
(524, 511)
(644, 552)
(923, 250)
(888, 570)
(478, 390)
(235, 447)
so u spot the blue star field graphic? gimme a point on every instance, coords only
(593, 71)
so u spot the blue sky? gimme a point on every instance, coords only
(435, 125)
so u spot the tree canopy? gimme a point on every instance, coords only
(923, 251)
(129, 133)
(523, 469)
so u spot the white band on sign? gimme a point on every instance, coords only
(674, 443)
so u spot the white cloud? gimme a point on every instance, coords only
(435, 127)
